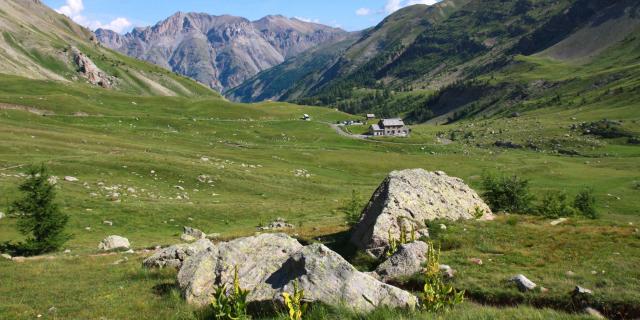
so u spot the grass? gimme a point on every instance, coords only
(153, 144)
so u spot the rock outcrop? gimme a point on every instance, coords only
(90, 71)
(111, 243)
(268, 265)
(174, 256)
(192, 234)
(407, 199)
(405, 262)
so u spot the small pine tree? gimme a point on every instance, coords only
(40, 219)
(352, 209)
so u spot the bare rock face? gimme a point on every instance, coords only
(220, 51)
(111, 243)
(174, 256)
(405, 262)
(268, 265)
(90, 71)
(408, 198)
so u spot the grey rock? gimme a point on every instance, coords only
(447, 271)
(594, 313)
(108, 223)
(580, 291)
(2, 215)
(91, 72)
(407, 199)
(6, 256)
(192, 234)
(268, 264)
(114, 243)
(523, 283)
(174, 256)
(405, 262)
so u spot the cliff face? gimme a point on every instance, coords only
(220, 51)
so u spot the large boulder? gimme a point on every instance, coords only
(111, 243)
(268, 265)
(408, 199)
(405, 262)
(192, 234)
(174, 256)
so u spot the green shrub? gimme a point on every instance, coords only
(555, 205)
(352, 209)
(40, 219)
(294, 303)
(510, 194)
(231, 306)
(585, 204)
(437, 295)
(478, 213)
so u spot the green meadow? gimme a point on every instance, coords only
(227, 168)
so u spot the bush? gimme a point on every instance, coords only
(40, 219)
(555, 205)
(231, 306)
(437, 295)
(509, 194)
(585, 204)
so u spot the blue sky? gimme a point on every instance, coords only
(122, 15)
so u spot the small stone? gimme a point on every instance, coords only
(114, 243)
(447, 271)
(476, 261)
(52, 310)
(570, 273)
(213, 236)
(580, 291)
(524, 284)
(70, 179)
(107, 222)
(1, 215)
(443, 227)
(5, 256)
(558, 221)
(67, 251)
(594, 313)
(88, 228)
(130, 251)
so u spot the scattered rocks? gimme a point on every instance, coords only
(174, 256)
(408, 198)
(405, 262)
(71, 179)
(278, 224)
(523, 283)
(268, 264)
(111, 243)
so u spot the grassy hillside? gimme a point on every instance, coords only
(152, 150)
(37, 43)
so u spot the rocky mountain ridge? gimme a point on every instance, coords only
(220, 51)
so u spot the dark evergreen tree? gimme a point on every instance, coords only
(40, 219)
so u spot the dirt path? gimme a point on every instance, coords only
(40, 112)
(338, 129)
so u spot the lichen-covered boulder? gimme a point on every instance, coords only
(269, 264)
(407, 261)
(408, 199)
(174, 256)
(111, 243)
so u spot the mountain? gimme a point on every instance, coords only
(39, 43)
(220, 51)
(424, 53)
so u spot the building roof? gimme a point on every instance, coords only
(371, 115)
(375, 127)
(392, 122)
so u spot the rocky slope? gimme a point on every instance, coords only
(38, 43)
(220, 51)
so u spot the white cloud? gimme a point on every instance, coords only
(74, 8)
(395, 5)
(363, 12)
